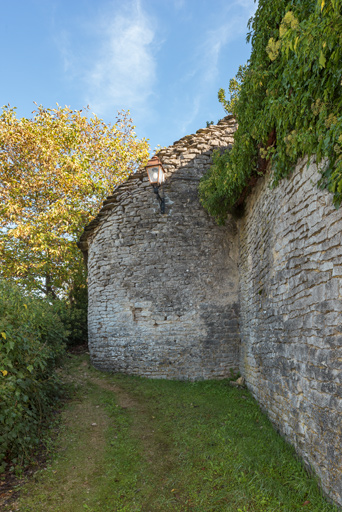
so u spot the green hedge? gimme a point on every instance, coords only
(32, 343)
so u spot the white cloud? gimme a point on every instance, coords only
(191, 113)
(207, 57)
(249, 5)
(119, 71)
(217, 38)
(179, 4)
(124, 71)
(63, 43)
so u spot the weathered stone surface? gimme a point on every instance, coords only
(163, 288)
(290, 303)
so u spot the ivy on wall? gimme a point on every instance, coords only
(287, 101)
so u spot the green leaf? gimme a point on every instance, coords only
(322, 59)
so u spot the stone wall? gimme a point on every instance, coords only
(291, 325)
(163, 289)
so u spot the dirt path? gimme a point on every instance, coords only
(72, 475)
(155, 447)
(81, 453)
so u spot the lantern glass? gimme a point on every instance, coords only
(155, 175)
(161, 176)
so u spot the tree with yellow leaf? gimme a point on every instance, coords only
(55, 169)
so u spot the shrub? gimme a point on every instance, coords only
(73, 314)
(32, 343)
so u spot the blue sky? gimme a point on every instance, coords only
(164, 60)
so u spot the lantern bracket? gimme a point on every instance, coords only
(160, 199)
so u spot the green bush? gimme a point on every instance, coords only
(73, 314)
(32, 343)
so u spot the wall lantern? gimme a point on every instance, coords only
(156, 176)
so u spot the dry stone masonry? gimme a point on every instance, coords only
(291, 324)
(176, 296)
(163, 289)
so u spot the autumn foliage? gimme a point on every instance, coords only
(55, 169)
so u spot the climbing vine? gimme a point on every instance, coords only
(287, 101)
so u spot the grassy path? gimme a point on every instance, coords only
(136, 445)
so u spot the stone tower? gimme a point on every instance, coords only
(163, 287)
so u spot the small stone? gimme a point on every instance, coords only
(240, 381)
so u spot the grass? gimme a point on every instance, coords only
(131, 444)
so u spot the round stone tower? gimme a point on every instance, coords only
(163, 287)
